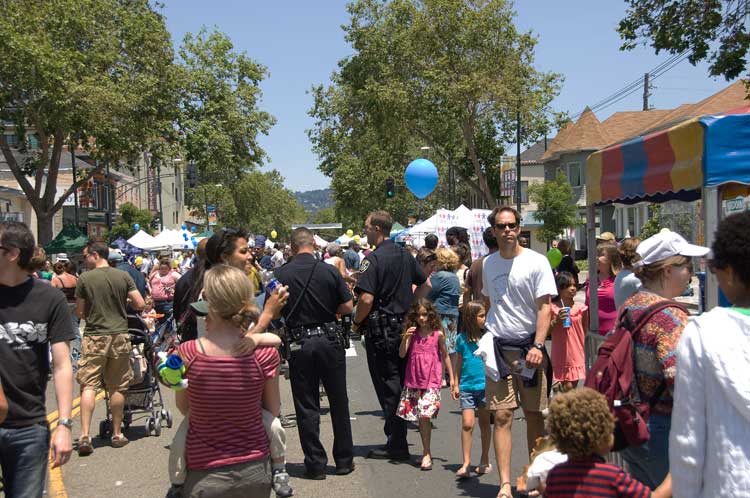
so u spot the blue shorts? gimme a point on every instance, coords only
(471, 400)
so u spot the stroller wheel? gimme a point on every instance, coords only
(157, 428)
(105, 429)
(150, 424)
(167, 416)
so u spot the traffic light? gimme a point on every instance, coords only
(390, 188)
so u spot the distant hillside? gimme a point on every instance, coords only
(314, 200)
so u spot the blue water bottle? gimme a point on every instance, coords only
(270, 283)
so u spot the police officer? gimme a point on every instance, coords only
(317, 293)
(386, 277)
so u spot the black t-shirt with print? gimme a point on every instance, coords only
(32, 316)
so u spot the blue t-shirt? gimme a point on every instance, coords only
(445, 292)
(472, 369)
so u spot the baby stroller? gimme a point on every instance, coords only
(143, 395)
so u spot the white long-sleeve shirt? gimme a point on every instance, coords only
(709, 444)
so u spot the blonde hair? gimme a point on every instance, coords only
(654, 272)
(447, 259)
(230, 295)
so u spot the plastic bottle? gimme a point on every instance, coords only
(270, 283)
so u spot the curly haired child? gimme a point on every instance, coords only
(582, 427)
(423, 342)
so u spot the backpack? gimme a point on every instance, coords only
(613, 375)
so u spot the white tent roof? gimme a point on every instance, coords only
(464, 217)
(144, 241)
(320, 241)
(427, 226)
(173, 238)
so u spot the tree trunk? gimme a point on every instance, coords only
(44, 228)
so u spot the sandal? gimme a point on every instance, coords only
(426, 466)
(483, 469)
(463, 475)
(84, 446)
(119, 441)
(502, 494)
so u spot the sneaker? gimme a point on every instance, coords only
(281, 484)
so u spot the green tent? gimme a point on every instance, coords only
(396, 228)
(70, 240)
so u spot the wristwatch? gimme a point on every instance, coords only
(65, 422)
(539, 346)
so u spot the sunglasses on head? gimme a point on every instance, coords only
(503, 226)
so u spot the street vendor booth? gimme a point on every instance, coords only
(705, 157)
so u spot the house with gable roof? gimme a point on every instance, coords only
(568, 152)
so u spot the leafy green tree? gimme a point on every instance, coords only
(654, 223)
(556, 207)
(260, 204)
(449, 74)
(219, 119)
(130, 214)
(713, 30)
(97, 69)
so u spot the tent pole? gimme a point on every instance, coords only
(593, 277)
(711, 218)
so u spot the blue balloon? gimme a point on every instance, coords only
(136, 227)
(192, 228)
(186, 246)
(421, 177)
(184, 236)
(184, 227)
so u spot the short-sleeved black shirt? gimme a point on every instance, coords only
(33, 315)
(327, 290)
(388, 273)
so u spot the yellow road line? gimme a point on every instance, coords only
(56, 484)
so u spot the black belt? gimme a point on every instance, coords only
(306, 332)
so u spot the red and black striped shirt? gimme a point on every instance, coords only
(592, 478)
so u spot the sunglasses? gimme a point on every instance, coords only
(503, 226)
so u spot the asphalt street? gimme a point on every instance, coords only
(139, 470)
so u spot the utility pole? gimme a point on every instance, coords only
(108, 189)
(518, 160)
(158, 191)
(646, 92)
(75, 178)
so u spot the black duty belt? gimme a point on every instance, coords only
(318, 330)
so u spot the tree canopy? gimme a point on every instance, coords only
(556, 207)
(453, 75)
(713, 30)
(93, 73)
(130, 214)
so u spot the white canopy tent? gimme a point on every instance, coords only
(144, 241)
(320, 241)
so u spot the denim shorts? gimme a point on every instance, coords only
(472, 400)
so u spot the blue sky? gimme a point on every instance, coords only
(300, 41)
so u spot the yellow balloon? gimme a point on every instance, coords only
(273, 234)
(356, 239)
(349, 232)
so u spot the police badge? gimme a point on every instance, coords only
(364, 266)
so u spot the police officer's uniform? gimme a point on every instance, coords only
(388, 273)
(316, 353)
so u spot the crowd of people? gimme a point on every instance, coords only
(432, 319)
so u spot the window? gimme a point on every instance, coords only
(11, 140)
(524, 192)
(575, 174)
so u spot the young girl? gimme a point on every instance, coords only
(468, 384)
(568, 365)
(424, 343)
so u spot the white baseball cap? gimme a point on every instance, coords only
(664, 245)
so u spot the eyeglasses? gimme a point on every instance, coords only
(503, 226)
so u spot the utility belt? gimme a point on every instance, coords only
(384, 327)
(340, 329)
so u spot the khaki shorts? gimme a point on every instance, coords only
(105, 361)
(241, 480)
(509, 393)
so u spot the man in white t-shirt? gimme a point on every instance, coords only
(517, 285)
